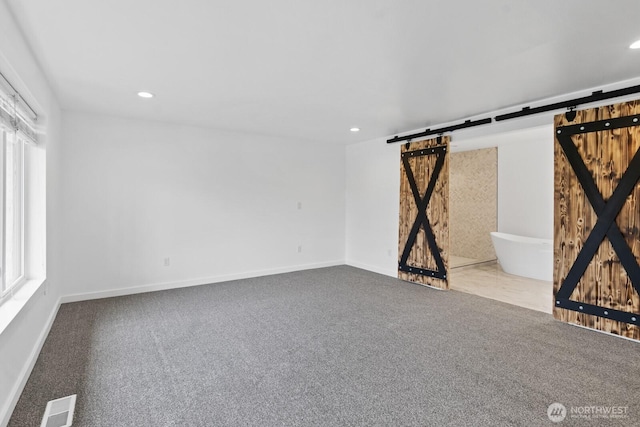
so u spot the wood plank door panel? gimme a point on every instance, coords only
(424, 213)
(596, 277)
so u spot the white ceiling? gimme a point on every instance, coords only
(312, 69)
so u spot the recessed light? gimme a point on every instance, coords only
(635, 45)
(144, 94)
(355, 129)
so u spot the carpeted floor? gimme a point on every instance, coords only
(329, 347)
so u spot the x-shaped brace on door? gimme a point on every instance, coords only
(607, 211)
(421, 218)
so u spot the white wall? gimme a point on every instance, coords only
(220, 205)
(525, 184)
(372, 206)
(21, 340)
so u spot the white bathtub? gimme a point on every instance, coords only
(524, 256)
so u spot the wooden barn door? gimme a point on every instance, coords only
(597, 218)
(424, 213)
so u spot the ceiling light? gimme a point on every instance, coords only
(145, 94)
(355, 129)
(635, 45)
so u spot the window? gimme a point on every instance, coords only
(12, 179)
(16, 134)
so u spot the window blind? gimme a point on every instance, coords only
(15, 114)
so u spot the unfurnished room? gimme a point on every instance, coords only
(354, 213)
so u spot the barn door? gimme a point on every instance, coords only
(424, 213)
(597, 218)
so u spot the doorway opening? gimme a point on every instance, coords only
(501, 182)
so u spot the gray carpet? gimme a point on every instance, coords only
(328, 347)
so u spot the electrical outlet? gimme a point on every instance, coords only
(389, 252)
(299, 248)
(299, 205)
(167, 262)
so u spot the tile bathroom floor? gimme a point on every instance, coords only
(489, 281)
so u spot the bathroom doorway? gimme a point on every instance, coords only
(473, 206)
(499, 182)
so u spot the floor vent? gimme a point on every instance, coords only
(59, 412)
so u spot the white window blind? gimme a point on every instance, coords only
(15, 113)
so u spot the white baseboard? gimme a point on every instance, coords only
(16, 391)
(375, 269)
(130, 290)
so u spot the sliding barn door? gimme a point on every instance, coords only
(424, 212)
(597, 218)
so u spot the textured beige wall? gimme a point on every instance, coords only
(473, 203)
